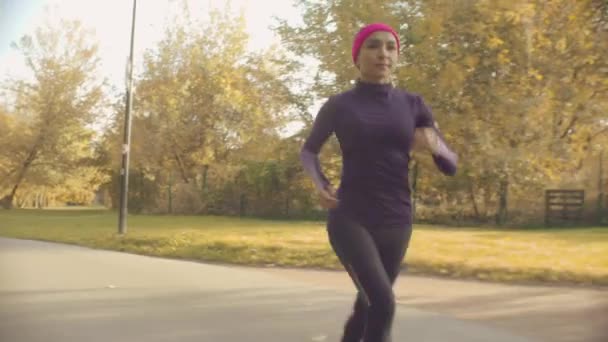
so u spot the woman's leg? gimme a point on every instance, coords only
(358, 251)
(392, 244)
(355, 325)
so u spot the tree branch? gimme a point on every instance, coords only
(569, 127)
(604, 130)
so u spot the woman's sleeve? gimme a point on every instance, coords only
(322, 129)
(445, 159)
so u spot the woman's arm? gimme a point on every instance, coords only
(322, 128)
(428, 131)
(310, 162)
(445, 159)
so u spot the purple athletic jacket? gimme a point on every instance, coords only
(374, 124)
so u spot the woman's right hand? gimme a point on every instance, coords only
(328, 198)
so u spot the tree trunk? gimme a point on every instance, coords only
(205, 170)
(7, 201)
(414, 189)
(600, 197)
(501, 215)
(182, 169)
(170, 193)
(473, 201)
(287, 197)
(142, 189)
(242, 204)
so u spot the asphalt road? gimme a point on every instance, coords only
(53, 292)
(540, 312)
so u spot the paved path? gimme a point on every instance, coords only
(542, 313)
(52, 292)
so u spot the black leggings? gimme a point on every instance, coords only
(372, 258)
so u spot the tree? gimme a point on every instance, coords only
(54, 106)
(206, 106)
(519, 87)
(6, 140)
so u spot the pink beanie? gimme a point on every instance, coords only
(366, 32)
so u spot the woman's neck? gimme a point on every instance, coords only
(386, 80)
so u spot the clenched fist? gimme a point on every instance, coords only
(328, 198)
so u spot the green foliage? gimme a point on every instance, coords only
(205, 104)
(518, 87)
(47, 143)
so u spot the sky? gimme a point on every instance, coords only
(111, 22)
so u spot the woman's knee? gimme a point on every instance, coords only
(384, 303)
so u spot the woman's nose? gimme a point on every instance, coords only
(383, 51)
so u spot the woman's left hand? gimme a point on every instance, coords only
(425, 138)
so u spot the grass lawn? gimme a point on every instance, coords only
(577, 255)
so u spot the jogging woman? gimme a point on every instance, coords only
(370, 218)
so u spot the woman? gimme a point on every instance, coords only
(369, 222)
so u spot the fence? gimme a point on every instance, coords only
(562, 206)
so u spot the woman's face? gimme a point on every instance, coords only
(378, 57)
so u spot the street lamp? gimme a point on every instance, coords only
(126, 146)
(600, 195)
